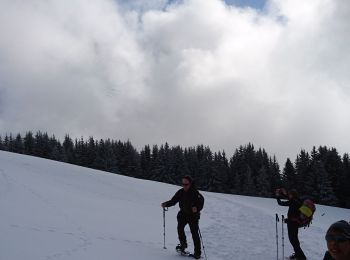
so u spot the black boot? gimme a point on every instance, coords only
(195, 255)
(181, 247)
(295, 257)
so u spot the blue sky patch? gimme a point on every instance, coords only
(257, 4)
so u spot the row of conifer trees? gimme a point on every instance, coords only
(321, 174)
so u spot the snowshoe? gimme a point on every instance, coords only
(184, 253)
(181, 249)
(195, 256)
(293, 257)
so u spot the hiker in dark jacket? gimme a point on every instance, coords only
(338, 241)
(294, 203)
(190, 203)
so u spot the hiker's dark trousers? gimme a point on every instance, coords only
(192, 221)
(294, 240)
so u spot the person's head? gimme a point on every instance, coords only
(338, 240)
(292, 194)
(187, 182)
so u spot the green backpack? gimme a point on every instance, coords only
(307, 211)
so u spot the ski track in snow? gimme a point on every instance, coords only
(53, 211)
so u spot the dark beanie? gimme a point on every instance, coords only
(341, 226)
(189, 178)
(294, 193)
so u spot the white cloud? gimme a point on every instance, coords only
(193, 72)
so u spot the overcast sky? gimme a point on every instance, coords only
(187, 72)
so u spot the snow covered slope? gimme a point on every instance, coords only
(52, 210)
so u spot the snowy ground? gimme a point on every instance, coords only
(50, 210)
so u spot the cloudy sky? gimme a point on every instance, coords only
(274, 73)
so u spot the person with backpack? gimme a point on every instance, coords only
(191, 203)
(294, 203)
(338, 241)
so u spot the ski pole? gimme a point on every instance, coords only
(164, 225)
(282, 236)
(277, 220)
(200, 235)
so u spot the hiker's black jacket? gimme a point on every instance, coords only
(294, 205)
(187, 200)
(328, 256)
